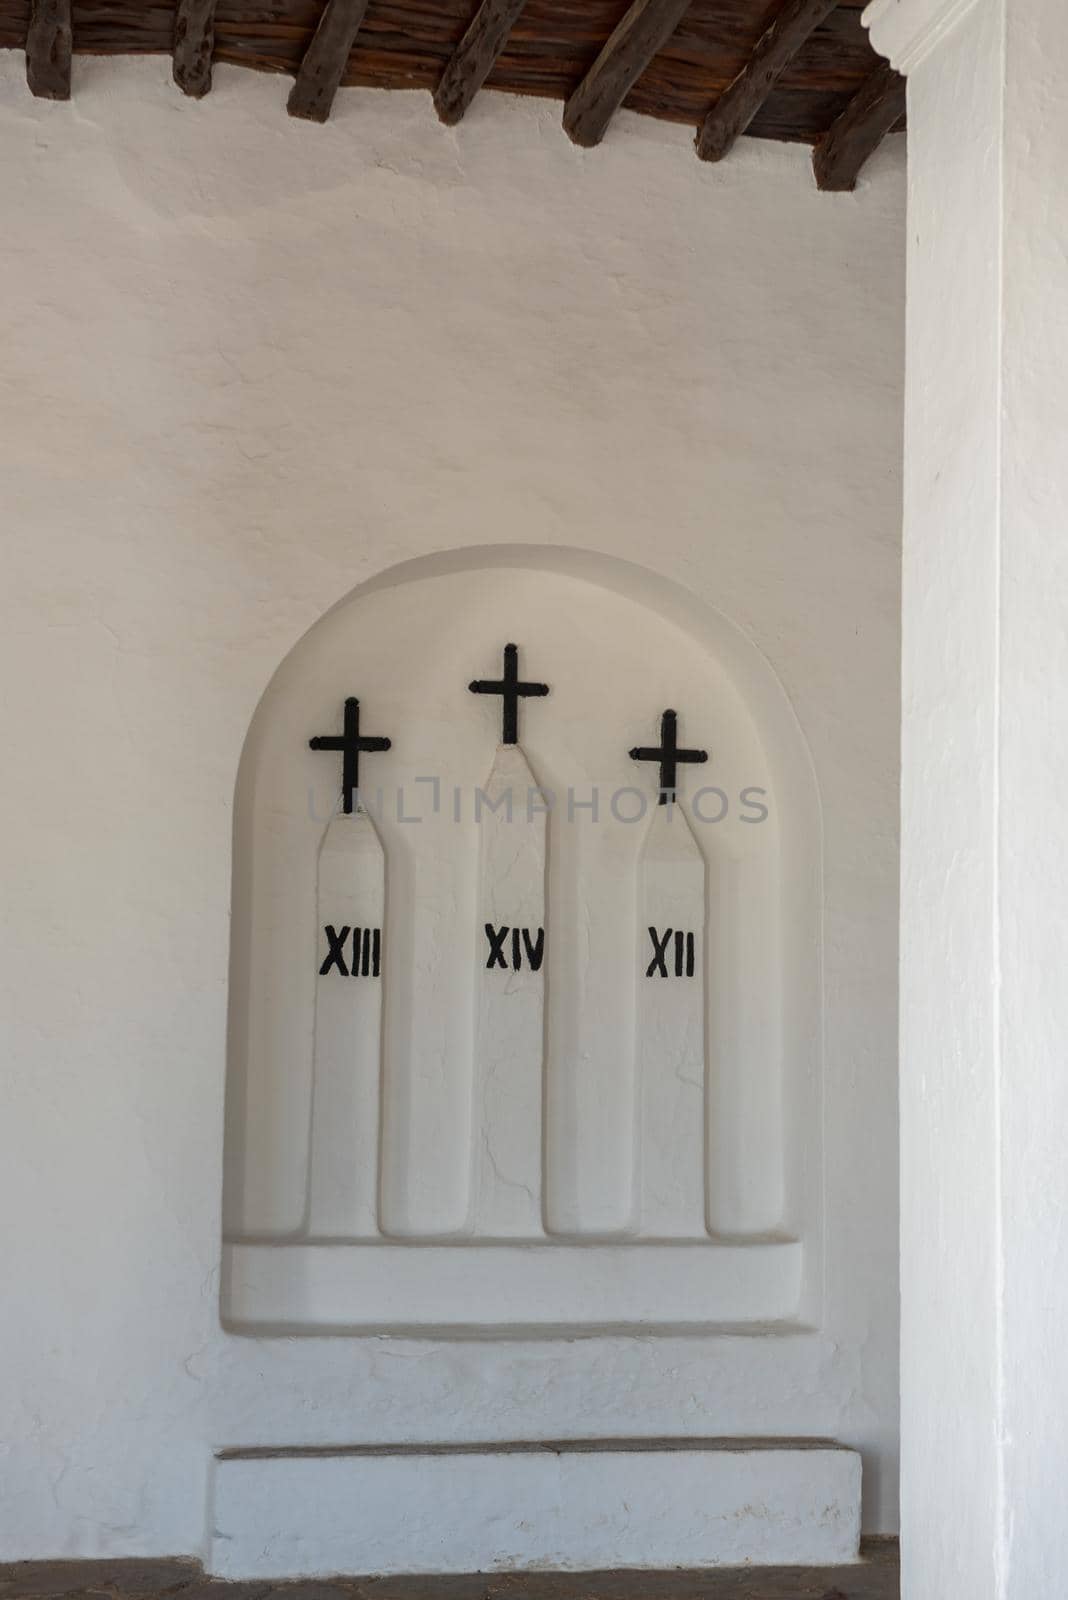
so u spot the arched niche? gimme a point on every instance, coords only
(434, 1124)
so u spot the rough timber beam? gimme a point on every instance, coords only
(743, 98)
(877, 105)
(194, 42)
(49, 43)
(320, 73)
(645, 29)
(474, 57)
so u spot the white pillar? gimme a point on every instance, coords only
(984, 905)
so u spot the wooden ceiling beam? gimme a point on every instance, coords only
(49, 45)
(744, 96)
(475, 57)
(194, 44)
(644, 31)
(323, 67)
(878, 104)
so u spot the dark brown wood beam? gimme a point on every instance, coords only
(474, 57)
(743, 98)
(877, 105)
(49, 44)
(194, 42)
(323, 67)
(645, 29)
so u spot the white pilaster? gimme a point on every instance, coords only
(671, 1029)
(343, 1170)
(510, 1023)
(984, 888)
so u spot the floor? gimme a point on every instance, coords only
(876, 1578)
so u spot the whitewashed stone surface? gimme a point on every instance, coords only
(723, 1505)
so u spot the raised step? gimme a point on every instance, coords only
(387, 1509)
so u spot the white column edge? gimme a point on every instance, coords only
(906, 31)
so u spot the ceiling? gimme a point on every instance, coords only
(802, 70)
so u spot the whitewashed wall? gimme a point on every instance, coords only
(249, 363)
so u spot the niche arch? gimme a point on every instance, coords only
(590, 1144)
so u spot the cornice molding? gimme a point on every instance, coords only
(906, 31)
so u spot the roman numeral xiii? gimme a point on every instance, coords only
(365, 960)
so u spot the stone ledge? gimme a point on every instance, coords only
(515, 1288)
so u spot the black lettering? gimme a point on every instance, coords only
(524, 945)
(657, 965)
(336, 954)
(683, 949)
(496, 939)
(535, 949)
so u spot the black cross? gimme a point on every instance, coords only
(350, 743)
(668, 754)
(511, 690)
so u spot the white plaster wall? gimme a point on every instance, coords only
(1034, 760)
(949, 800)
(248, 363)
(984, 1097)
